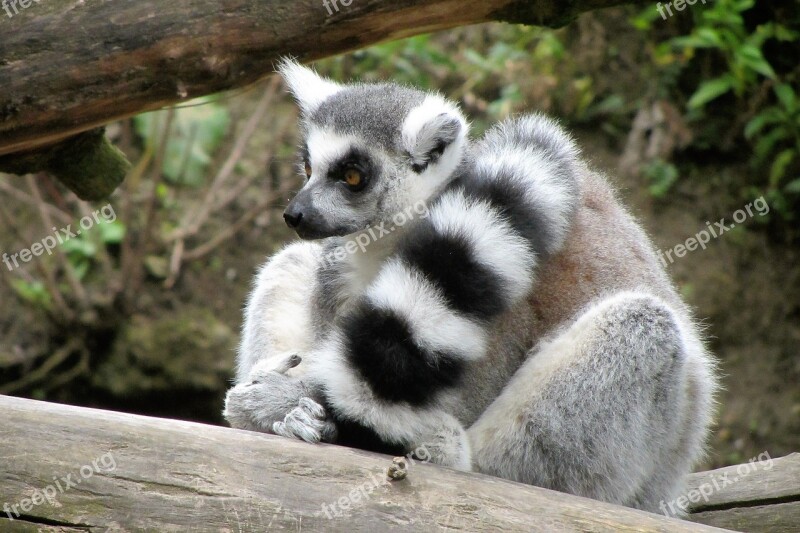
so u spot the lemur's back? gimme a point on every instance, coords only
(606, 252)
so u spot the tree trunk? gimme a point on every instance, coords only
(111, 471)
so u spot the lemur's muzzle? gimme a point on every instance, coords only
(303, 218)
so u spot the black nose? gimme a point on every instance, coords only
(292, 219)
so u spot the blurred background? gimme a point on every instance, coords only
(692, 116)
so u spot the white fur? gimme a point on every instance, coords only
(278, 317)
(433, 178)
(495, 244)
(535, 170)
(309, 88)
(433, 324)
(325, 147)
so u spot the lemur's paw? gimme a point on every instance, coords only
(266, 397)
(308, 421)
(280, 364)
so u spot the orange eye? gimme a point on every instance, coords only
(308, 170)
(353, 178)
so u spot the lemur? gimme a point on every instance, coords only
(523, 328)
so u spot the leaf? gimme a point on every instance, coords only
(662, 177)
(753, 58)
(33, 292)
(157, 266)
(793, 187)
(710, 90)
(112, 232)
(779, 165)
(782, 33)
(765, 144)
(786, 96)
(80, 247)
(769, 116)
(81, 268)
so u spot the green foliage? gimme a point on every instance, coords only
(721, 27)
(776, 130)
(33, 292)
(727, 63)
(197, 131)
(112, 232)
(661, 177)
(495, 71)
(82, 249)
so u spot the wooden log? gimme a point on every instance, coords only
(69, 66)
(762, 495)
(134, 473)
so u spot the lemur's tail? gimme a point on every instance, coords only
(429, 309)
(529, 166)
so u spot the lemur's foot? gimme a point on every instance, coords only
(307, 421)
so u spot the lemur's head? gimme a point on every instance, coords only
(369, 151)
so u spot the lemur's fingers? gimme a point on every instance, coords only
(312, 407)
(325, 427)
(302, 424)
(279, 428)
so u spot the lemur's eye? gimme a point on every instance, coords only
(353, 178)
(308, 169)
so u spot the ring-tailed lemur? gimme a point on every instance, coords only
(522, 328)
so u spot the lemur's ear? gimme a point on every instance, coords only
(430, 129)
(308, 88)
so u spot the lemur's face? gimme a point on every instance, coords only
(369, 152)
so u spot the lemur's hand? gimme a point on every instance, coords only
(271, 402)
(308, 421)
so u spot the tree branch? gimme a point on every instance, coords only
(67, 67)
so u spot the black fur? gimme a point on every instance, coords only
(379, 346)
(447, 262)
(356, 435)
(508, 197)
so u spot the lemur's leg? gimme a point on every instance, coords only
(270, 394)
(390, 364)
(614, 408)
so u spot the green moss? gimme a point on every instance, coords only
(88, 164)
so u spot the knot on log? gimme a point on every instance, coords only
(87, 164)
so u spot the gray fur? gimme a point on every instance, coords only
(596, 382)
(373, 112)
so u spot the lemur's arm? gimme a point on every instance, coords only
(271, 393)
(426, 315)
